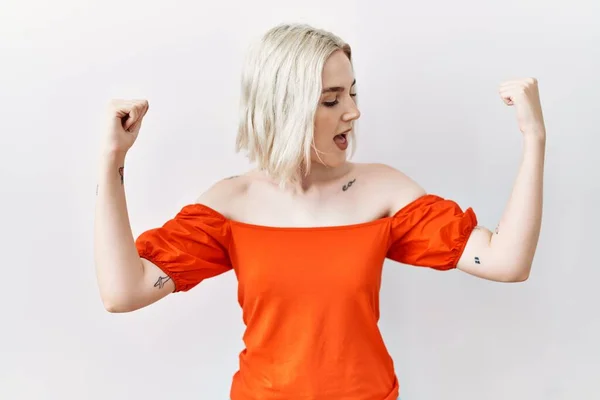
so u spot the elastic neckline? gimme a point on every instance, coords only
(300, 228)
(286, 228)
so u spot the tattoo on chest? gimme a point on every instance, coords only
(160, 283)
(347, 186)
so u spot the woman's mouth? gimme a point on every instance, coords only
(341, 141)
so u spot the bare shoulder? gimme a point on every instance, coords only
(398, 188)
(221, 194)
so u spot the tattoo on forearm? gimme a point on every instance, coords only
(160, 283)
(122, 174)
(477, 261)
(347, 186)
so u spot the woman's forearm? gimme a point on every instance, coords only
(517, 235)
(118, 266)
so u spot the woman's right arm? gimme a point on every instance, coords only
(126, 281)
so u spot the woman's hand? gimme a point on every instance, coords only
(125, 120)
(524, 95)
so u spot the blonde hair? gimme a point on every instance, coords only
(281, 88)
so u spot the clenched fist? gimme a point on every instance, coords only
(125, 120)
(524, 95)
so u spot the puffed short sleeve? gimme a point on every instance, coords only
(190, 247)
(430, 232)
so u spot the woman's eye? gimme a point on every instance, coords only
(333, 103)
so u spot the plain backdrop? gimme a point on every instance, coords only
(428, 76)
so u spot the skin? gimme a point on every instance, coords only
(339, 192)
(336, 113)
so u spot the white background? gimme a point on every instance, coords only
(428, 74)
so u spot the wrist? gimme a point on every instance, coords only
(111, 161)
(112, 156)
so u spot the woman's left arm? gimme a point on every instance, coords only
(507, 254)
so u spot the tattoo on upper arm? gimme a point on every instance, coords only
(347, 186)
(477, 260)
(160, 283)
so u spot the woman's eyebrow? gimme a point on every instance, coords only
(336, 88)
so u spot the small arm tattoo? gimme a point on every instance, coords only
(160, 283)
(347, 186)
(122, 174)
(497, 229)
(477, 261)
(231, 177)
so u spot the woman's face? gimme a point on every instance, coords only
(336, 111)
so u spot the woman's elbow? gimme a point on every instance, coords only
(521, 274)
(117, 305)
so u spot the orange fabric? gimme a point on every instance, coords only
(309, 296)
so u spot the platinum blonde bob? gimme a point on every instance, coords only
(280, 91)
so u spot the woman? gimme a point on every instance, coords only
(307, 231)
